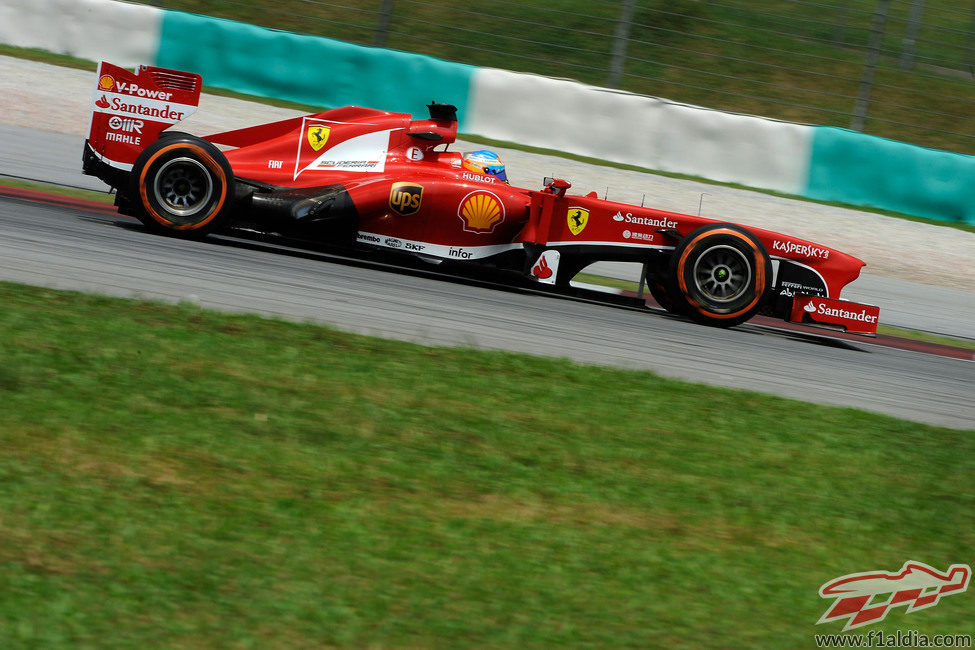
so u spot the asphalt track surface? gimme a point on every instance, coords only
(78, 249)
(55, 158)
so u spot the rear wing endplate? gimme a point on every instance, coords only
(130, 109)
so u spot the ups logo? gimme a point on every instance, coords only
(405, 198)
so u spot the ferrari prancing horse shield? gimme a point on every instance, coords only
(318, 136)
(577, 218)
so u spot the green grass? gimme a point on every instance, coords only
(43, 56)
(78, 193)
(890, 330)
(612, 283)
(173, 477)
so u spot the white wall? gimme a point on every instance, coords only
(639, 130)
(123, 33)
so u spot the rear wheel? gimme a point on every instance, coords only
(719, 275)
(182, 185)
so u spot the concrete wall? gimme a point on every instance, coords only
(125, 34)
(639, 130)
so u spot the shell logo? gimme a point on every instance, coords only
(481, 212)
(107, 82)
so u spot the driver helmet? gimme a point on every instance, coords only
(485, 162)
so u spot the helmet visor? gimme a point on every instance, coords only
(497, 171)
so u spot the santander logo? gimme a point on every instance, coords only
(546, 268)
(542, 269)
(822, 309)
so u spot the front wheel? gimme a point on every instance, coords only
(720, 275)
(182, 185)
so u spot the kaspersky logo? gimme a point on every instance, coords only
(916, 586)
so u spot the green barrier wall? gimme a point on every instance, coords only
(308, 69)
(866, 170)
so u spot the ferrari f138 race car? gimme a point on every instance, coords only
(371, 179)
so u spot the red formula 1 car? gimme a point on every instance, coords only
(368, 178)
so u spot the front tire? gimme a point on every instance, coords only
(720, 274)
(182, 185)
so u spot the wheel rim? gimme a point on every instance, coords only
(184, 188)
(722, 274)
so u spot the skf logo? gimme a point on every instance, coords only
(318, 136)
(577, 218)
(481, 212)
(916, 585)
(106, 83)
(405, 198)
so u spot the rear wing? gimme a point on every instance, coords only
(130, 109)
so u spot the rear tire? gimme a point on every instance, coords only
(182, 185)
(720, 274)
